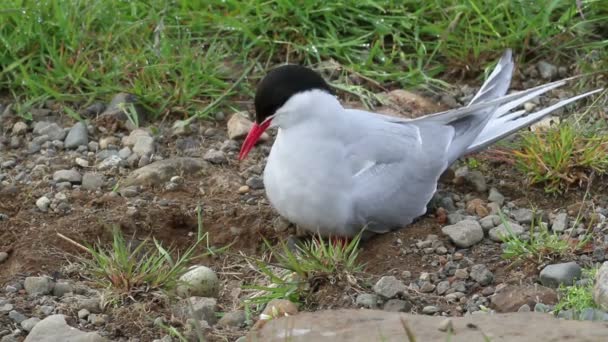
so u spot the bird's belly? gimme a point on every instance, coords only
(305, 200)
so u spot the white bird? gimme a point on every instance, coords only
(334, 171)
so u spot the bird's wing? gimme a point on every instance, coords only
(395, 169)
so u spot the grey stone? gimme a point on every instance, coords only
(71, 176)
(397, 305)
(593, 314)
(161, 171)
(489, 222)
(92, 181)
(144, 145)
(464, 234)
(523, 215)
(125, 153)
(454, 218)
(255, 183)
(3, 256)
(60, 289)
(560, 223)
(442, 287)
(83, 313)
(90, 304)
(524, 308)
(557, 274)
(547, 70)
(6, 307)
(110, 163)
(477, 180)
(481, 274)
(389, 287)
(215, 157)
(367, 300)
(55, 328)
(501, 231)
(16, 316)
(496, 197)
(38, 285)
(30, 323)
(600, 289)
(430, 310)
(199, 281)
(51, 130)
(233, 319)
(77, 136)
(200, 308)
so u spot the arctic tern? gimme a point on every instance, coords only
(334, 171)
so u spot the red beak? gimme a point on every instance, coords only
(252, 138)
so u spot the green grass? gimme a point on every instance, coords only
(563, 157)
(577, 297)
(182, 56)
(542, 246)
(295, 273)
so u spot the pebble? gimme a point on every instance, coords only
(83, 313)
(81, 162)
(558, 274)
(19, 128)
(125, 152)
(62, 288)
(255, 183)
(233, 319)
(92, 181)
(50, 130)
(144, 145)
(110, 162)
(477, 180)
(481, 274)
(560, 223)
(367, 300)
(215, 157)
(547, 70)
(3, 257)
(239, 125)
(489, 222)
(430, 310)
(30, 323)
(496, 197)
(397, 305)
(38, 285)
(77, 136)
(243, 189)
(71, 176)
(389, 287)
(465, 233)
(16, 316)
(55, 328)
(199, 281)
(600, 289)
(501, 231)
(523, 215)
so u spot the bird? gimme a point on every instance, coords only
(338, 172)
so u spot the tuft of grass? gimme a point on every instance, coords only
(543, 244)
(563, 156)
(296, 273)
(127, 271)
(578, 297)
(182, 56)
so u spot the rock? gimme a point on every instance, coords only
(61, 289)
(92, 181)
(16, 316)
(50, 130)
(489, 222)
(389, 287)
(255, 183)
(200, 308)
(367, 300)
(523, 215)
(477, 207)
(397, 305)
(98, 320)
(280, 308)
(403, 103)
(239, 125)
(592, 314)
(547, 70)
(161, 171)
(19, 128)
(92, 305)
(511, 297)
(233, 319)
(77, 136)
(55, 328)
(215, 157)
(125, 152)
(524, 308)
(600, 289)
(199, 281)
(38, 285)
(3, 256)
(83, 313)
(81, 162)
(501, 231)
(446, 325)
(373, 325)
(464, 234)
(118, 108)
(496, 197)
(560, 223)
(71, 176)
(430, 310)
(110, 162)
(30, 323)
(557, 274)
(6, 307)
(481, 274)
(477, 180)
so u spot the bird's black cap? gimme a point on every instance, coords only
(280, 84)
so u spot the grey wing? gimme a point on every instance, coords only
(395, 172)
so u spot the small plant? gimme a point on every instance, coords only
(543, 245)
(297, 272)
(126, 269)
(578, 297)
(562, 157)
